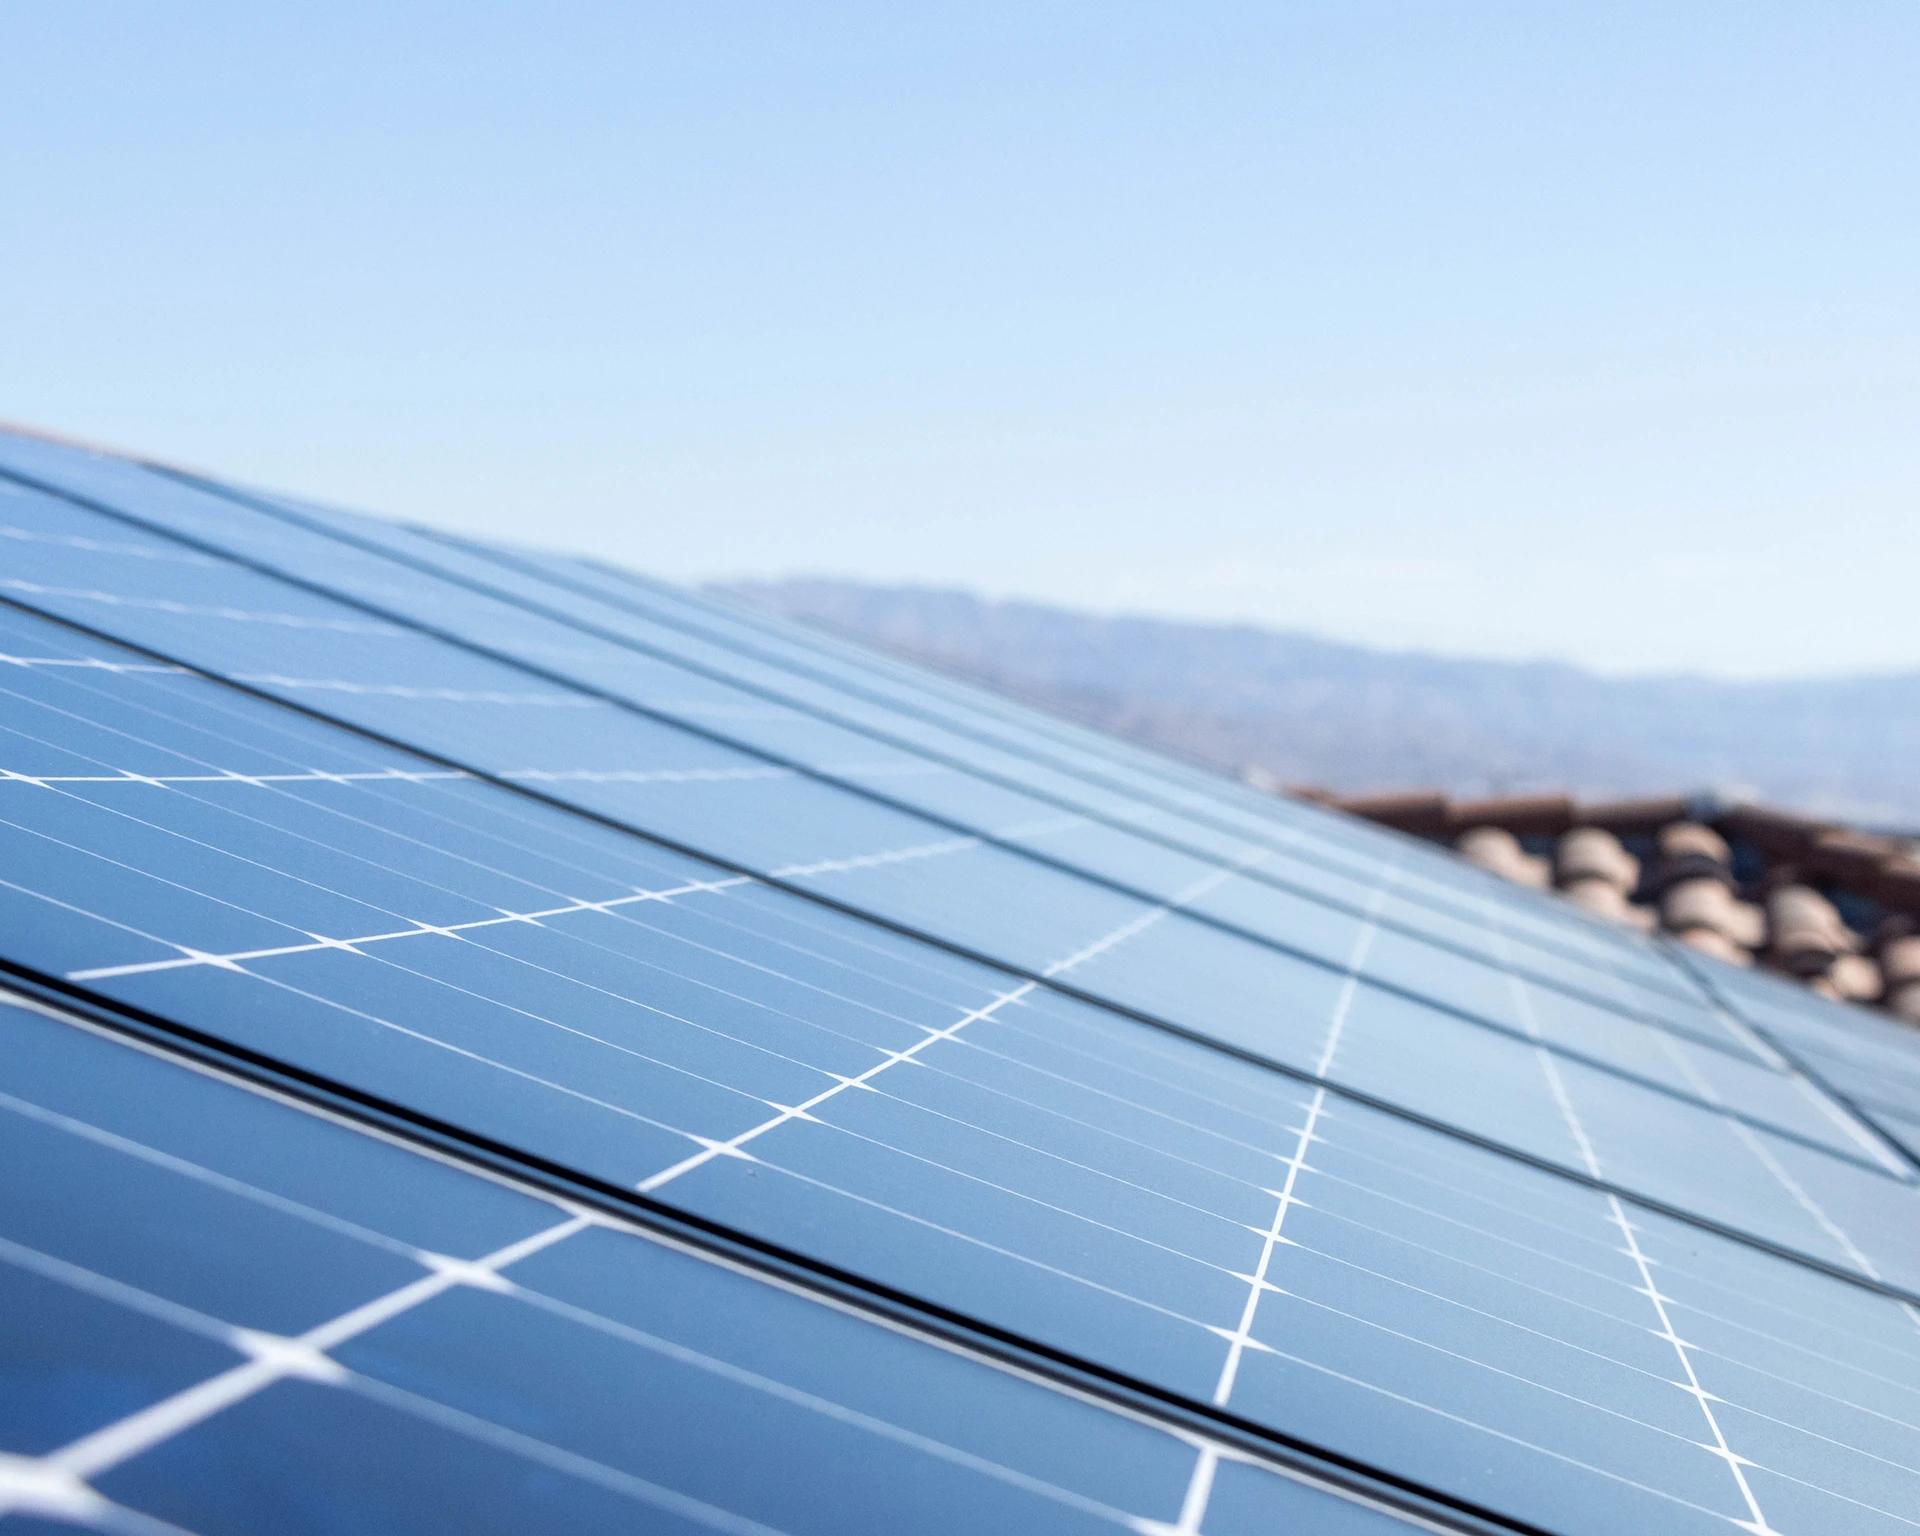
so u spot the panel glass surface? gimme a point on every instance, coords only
(1089, 838)
(1505, 1087)
(1020, 1157)
(231, 1315)
(950, 1130)
(1338, 844)
(596, 608)
(760, 718)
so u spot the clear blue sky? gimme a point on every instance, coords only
(1588, 331)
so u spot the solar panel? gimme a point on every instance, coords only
(277, 1310)
(759, 718)
(1286, 1123)
(1297, 920)
(1462, 1065)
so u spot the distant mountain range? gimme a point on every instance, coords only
(1308, 711)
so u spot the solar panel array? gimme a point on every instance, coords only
(500, 1044)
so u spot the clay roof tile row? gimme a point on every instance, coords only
(1744, 883)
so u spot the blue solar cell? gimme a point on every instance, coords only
(72, 1361)
(461, 1355)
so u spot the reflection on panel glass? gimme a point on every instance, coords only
(227, 1314)
(1486, 1074)
(1281, 1115)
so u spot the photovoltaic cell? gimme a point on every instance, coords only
(1018, 1146)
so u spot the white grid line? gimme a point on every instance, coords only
(200, 610)
(274, 1358)
(170, 556)
(93, 664)
(257, 780)
(409, 691)
(235, 959)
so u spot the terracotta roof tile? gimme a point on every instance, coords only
(1522, 815)
(1744, 883)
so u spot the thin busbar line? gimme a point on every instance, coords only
(198, 610)
(234, 959)
(275, 1358)
(89, 663)
(160, 780)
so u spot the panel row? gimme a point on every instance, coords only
(1729, 1136)
(631, 657)
(229, 1314)
(957, 1133)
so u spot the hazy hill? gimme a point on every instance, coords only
(1352, 718)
